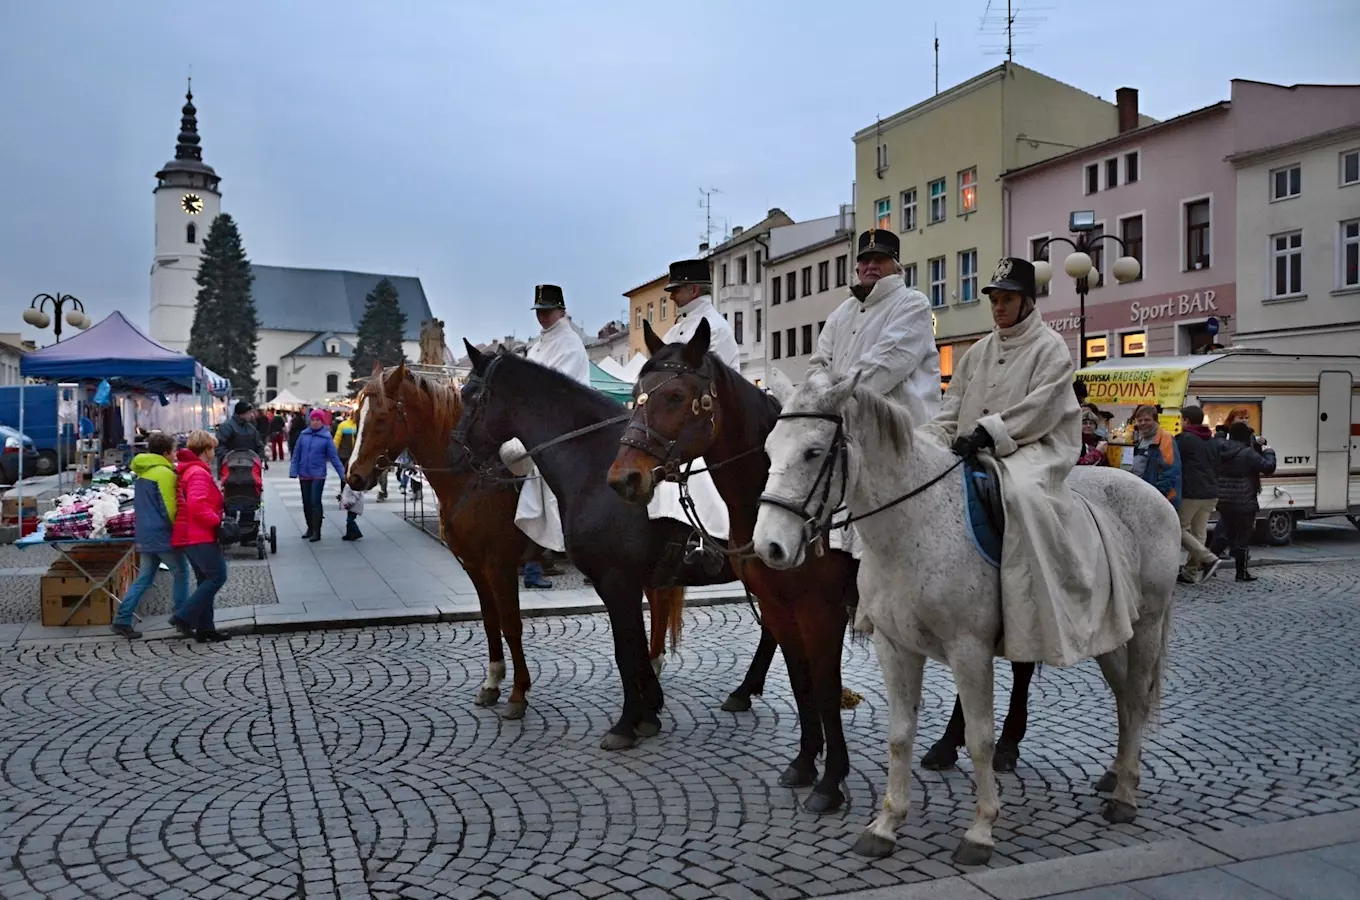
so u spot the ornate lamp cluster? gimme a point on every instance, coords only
(37, 316)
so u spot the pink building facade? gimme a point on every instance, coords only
(1169, 192)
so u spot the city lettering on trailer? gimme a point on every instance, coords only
(1182, 305)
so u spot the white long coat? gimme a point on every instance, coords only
(888, 340)
(1062, 599)
(708, 502)
(537, 515)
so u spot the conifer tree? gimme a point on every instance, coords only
(226, 327)
(380, 331)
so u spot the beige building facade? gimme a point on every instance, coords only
(931, 173)
(807, 278)
(648, 302)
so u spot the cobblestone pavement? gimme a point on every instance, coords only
(353, 764)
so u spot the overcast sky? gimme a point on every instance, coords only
(487, 151)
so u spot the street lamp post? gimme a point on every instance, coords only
(36, 316)
(1078, 264)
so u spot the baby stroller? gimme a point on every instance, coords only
(242, 488)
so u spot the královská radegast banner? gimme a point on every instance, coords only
(1135, 387)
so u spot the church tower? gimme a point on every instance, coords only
(187, 201)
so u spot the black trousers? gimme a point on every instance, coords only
(1238, 525)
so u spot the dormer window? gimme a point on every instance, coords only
(332, 347)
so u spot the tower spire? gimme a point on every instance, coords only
(188, 147)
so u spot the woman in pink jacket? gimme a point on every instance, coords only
(196, 526)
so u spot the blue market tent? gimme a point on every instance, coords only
(116, 350)
(605, 383)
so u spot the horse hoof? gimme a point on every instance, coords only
(515, 709)
(648, 729)
(940, 757)
(1117, 812)
(1107, 783)
(487, 696)
(736, 702)
(968, 853)
(821, 804)
(1005, 758)
(612, 741)
(795, 777)
(874, 846)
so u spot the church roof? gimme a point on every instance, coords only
(316, 346)
(317, 301)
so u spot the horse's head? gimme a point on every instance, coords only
(675, 415)
(382, 429)
(484, 425)
(808, 471)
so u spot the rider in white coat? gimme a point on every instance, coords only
(558, 347)
(691, 289)
(882, 333)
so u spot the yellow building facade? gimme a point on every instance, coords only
(931, 174)
(648, 303)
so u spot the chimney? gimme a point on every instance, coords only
(1126, 101)
(774, 211)
(703, 246)
(737, 229)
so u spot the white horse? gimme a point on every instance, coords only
(928, 592)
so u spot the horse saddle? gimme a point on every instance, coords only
(986, 516)
(691, 561)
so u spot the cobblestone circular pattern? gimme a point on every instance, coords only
(353, 763)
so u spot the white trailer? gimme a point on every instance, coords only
(1306, 406)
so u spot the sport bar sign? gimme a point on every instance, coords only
(1134, 387)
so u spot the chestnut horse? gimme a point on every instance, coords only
(403, 411)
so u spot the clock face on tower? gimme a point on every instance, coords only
(192, 204)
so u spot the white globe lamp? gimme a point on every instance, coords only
(37, 318)
(76, 319)
(1077, 264)
(1043, 272)
(1126, 269)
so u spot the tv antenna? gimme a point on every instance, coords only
(1012, 24)
(937, 58)
(706, 204)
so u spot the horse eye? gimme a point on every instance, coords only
(811, 453)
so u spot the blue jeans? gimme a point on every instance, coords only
(210, 568)
(352, 526)
(146, 575)
(313, 492)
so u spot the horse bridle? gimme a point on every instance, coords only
(657, 445)
(817, 522)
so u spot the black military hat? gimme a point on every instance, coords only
(1013, 274)
(689, 271)
(548, 296)
(877, 240)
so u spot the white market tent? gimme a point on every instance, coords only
(612, 367)
(286, 399)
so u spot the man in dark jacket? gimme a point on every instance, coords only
(239, 432)
(295, 428)
(1241, 466)
(1199, 493)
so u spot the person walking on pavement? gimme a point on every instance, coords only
(1239, 483)
(1199, 454)
(344, 438)
(239, 432)
(153, 502)
(1155, 457)
(314, 451)
(296, 427)
(352, 502)
(198, 519)
(277, 429)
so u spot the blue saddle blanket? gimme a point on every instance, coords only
(984, 527)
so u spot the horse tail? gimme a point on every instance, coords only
(668, 611)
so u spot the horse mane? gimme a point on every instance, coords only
(891, 421)
(729, 381)
(552, 383)
(445, 401)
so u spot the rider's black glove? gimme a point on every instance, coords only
(968, 445)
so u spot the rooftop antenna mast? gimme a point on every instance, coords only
(1012, 24)
(706, 203)
(937, 57)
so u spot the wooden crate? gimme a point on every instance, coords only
(60, 593)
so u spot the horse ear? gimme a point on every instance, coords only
(649, 338)
(378, 367)
(841, 390)
(697, 348)
(476, 357)
(779, 386)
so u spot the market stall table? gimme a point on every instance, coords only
(104, 566)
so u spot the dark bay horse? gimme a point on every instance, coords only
(400, 410)
(694, 406)
(571, 432)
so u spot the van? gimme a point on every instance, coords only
(40, 423)
(1307, 407)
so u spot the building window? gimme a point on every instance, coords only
(665, 313)
(743, 270)
(776, 291)
(807, 281)
(191, 233)
(1131, 233)
(968, 191)
(823, 276)
(938, 202)
(1287, 254)
(271, 376)
(759, 264)
(736, 327)
(270, 395)
(776, 344)
(880, 164)
(883, 213)
(1097, 348)
(760, 325)
(937, 274)
(909, 210)
(791, 339)
(332, 348)
(807, 340)
(1134, 343)
(1197, 235)
(1038, 250)
(842, 266)
(1350, 254)
(1111, 173)
(791, 286)
(1286, 183)
(1093, 178)
(332, 382)
(637, 312)
(1350, 167)
(724, 274)
(909, 275)
(968, 276)
(1130, 170)
(820, 326)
